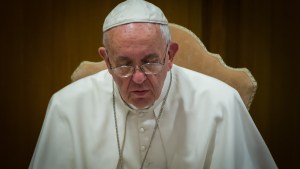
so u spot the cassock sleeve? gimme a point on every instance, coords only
(238, 143)
(55, 144)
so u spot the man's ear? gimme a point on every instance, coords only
(102, 52)
(171, 52)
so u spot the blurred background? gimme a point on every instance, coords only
(43, 41)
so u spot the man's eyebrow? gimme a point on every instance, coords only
(122, 59)
(150, 57)
(125, 60)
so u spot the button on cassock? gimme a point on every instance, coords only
(143, 148)
(141, 130)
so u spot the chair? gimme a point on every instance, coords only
(193, 55)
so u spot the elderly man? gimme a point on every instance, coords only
(145, 112)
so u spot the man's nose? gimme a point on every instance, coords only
(138, 75)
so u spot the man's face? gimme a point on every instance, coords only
(134, 45)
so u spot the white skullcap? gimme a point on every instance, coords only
(134, 11)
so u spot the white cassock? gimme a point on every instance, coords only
(204, 124)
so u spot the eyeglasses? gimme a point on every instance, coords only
(147, 68)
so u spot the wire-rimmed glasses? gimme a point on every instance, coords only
(147, 68)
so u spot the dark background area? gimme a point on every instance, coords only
(42, 42)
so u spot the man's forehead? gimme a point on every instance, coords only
(135, 34)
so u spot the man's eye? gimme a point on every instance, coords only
(151, 61)
(124, 64)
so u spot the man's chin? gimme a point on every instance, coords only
(141, 104)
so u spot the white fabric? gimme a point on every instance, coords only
(134, 11)
(139, 129)
(204, 125)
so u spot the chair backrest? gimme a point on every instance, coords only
(193, 55)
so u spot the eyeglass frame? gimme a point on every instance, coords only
(140, 67)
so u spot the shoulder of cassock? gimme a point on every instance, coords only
(194, 89)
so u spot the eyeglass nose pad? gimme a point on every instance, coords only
(137, 67)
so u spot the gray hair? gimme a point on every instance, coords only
(164, 29)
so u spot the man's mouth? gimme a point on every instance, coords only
(140, 92)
